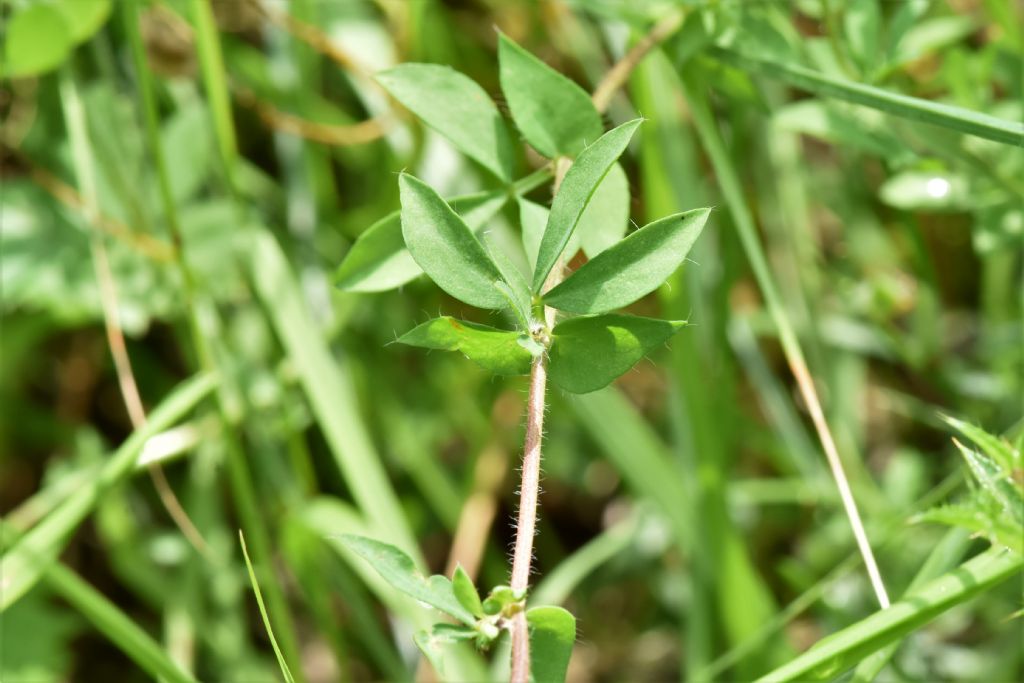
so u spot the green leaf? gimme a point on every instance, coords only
(862, 25)
(843, 125)
(430, 644)
(632, 268)
(378, 260)
(188, 148)
(445, 248)
(465, 592)
(577, 188)
(496, 350)
(924, 36)
(457, 108)
(532, 217)
(85, 17)
(513, 284)
(500, 598)
(37, 39)
(453, 633)
(398, 569)
(552, 636)
(998, 449)
(992, 524)
(995, 482)
(554, 114)
(587, 353)
(606, 218)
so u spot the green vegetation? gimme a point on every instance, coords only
(766, 420)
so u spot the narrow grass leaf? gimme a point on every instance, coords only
(117, 626)
(285, 671)
(465, 592)
(398, 569)
(496, 350)
(912, 108)
(378, 260)
(457, 108)
(21, 568)
(632, 268)
(328, 386)
(215, 82)
(943, 557)
(445, 248)
(575, 193)
(841, 651)
(552, 636)
(554, 114)
(587, 353)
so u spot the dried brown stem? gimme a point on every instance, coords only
(323, 133)
(148, 246)
(312, 36)
(620, 72)
(130, 391)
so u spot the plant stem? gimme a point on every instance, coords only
(74, 115)
(621, 70)
(530, 485)
(527, 523)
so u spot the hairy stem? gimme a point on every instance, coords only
(527, 522)
(530, 485)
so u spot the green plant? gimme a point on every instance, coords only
(580, 354)
(179, 178)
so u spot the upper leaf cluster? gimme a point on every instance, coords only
(590, 210)
(995, 509)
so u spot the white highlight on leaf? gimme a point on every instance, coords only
(937, 187)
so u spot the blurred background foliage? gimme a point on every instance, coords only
(229, 152)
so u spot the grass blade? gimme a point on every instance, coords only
(729, 181)
(330, 393)
(943, 557)
(211, 62)
(913, 108)
(285, 671)
(841, 651)
(115, 624)
(21, 568)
